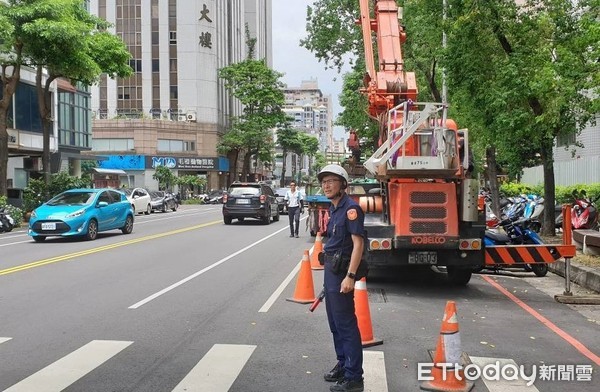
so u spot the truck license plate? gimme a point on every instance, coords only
(422, 257)
(49, 226)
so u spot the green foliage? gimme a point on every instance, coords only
(564, 194)
(191, 180)
(164, 176)
(192, 201)
(36, 193)
(14, 212)
(259, 90)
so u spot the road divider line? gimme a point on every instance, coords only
(2, 340)
(553, 327)
(70, 368)
(203, 270)
(517, 384)
(70, 256)
(265, 308)
(374, 368)
(218, 369)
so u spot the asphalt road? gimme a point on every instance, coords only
(188, 303)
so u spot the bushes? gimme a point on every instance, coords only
(36, 192)
(14, 212)
(563, 193)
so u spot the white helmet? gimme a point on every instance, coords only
(335, 170)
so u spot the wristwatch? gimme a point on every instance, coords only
(351, 275)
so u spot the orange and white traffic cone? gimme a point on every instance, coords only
(363, 314)
(317, 248)
(305, 289)
(447, 373)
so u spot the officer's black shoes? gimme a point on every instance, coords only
(335, 374)
(291, 236)
(346, 385)
(297, 236)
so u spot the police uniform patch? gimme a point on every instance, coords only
(351, 214)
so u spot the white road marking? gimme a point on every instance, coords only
(519, 385)
(265, 308)
(196, 274)
(15, 243)
(2, 340)
(374, 368)
(217, 370)
(70, 368)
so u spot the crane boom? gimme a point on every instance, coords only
(390, 85)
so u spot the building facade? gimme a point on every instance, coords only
(576, 159)
(174, 106)
(70, 133)
(310, 112)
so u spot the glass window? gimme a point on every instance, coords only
(112, 144)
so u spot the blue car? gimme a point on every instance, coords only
(82, 213)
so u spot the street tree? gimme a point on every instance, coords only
(164, 176)
(259, 90)
(231, 144)
(189, 182)
(288, 140)
(310, 147)
(70, 43)
(529, 72)
(13, 16)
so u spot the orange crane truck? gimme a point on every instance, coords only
(425, 211)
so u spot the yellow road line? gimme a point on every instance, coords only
(69, 256)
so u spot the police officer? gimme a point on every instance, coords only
(345, 232)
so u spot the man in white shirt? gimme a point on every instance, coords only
(293, 199)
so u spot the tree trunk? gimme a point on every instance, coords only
(283, 169)
(549, 188)
(3, 149)
(492, 175)
(9, 85)
(246, 165)
(233, 156)
(44, 102)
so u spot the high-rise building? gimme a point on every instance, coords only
(311, 112)
(174, 108)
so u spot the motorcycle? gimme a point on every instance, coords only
(584, 214)
(509, 232)
(531, 214)
(7, 223)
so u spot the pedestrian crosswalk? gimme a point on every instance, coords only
(71, 367)
(216, 371)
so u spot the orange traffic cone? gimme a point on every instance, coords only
(363, 314)
(305, 290)
(450, 376)
(314, 257)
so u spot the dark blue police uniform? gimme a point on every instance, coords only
(340, 306)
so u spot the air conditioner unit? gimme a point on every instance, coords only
(191, 117)
(181, 117)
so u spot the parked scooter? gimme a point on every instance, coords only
(584, 214)
(509, 232)
(7, 223)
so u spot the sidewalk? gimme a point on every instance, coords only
(583, 275)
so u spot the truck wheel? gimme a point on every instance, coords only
(458, 276)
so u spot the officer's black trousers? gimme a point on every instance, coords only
(343, 325)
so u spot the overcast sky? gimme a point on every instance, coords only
(296, 62)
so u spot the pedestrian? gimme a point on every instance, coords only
(293, 199)
(342, 256)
